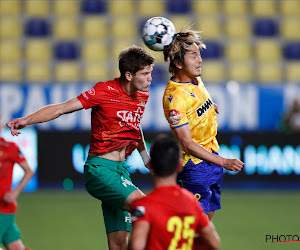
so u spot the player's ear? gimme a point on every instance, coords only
(180, 166)
(128, 76)
(178, 64)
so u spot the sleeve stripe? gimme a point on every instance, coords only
(180, 125)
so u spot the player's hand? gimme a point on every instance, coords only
(15, 124)
(216, 108)
(233, 165)
(148, 165)
(10, 197)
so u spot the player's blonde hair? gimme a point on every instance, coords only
(181, 41)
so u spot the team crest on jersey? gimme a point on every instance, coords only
(138, 212)
(91, 91)
(204, 107)
(174, 117)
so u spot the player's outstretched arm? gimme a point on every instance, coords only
(139, 235)
(207, 238)
(191, 147)
(44, 114)
(12, 196)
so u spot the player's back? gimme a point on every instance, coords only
(174, 216)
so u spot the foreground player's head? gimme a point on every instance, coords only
(134, 59)
(180, 46)
(166, 156)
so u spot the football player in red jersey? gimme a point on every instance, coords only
(117, 109)
(169, 217)
(10, 154)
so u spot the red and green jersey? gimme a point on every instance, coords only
(115, 116)
(174, 216)
(9, 155)
(190, 104)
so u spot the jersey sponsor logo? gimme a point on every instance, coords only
(91, 91)
(85, 96)
(204, 107)
(126, 182)
(174, 117)
(170, 98)
(130, 118)
(138, 212)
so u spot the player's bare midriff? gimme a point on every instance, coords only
(114, 155)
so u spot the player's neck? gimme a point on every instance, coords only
(127, 87)
(164, 181)
(180, 77)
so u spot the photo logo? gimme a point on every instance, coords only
(270, 238)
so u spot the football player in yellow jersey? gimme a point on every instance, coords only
(191, 113)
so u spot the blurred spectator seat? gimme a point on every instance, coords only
(180, 21)
(94, 27)
(290, 28)
(93, 7)
(10, 51)
(37, 72)
(241, 71)
(237, 27)
(34, 8)
(205, 7)
(238, 50)
(9, 8)
(65, 8)
(10, 72)
(150, 8)
(67, 72)
(121, 7)
(38, 50)
(213, 50)
(292, 51)
(265, 27)
(118, 30)
(65, 28)
(37, 27)
(293, 72)
(210, 25)
(263, 8)
(10, 28)
(268, 50)
(66, 51)
(233, 7)
(118, 46)
(159, 73)
(94, 51)
(290, 7)
(178, 6)
(213, 71)
(269, 72)
(95, 72)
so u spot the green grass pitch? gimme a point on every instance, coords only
(68, 220)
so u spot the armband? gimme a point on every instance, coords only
(145, 156)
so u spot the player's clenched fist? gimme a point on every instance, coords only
(233, 165)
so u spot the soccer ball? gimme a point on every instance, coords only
(158, 33)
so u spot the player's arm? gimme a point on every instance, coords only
(142, 148)
(139, 235)
(207, 238)
(183, 134)
(45, 114)
(12, 195)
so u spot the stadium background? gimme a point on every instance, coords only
(51, 51)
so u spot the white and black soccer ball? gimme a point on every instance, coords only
(158, 33)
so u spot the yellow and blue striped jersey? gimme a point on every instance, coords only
(189, 103)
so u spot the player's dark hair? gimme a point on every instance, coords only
(181, 42)
(134, 59)
(165, 155)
